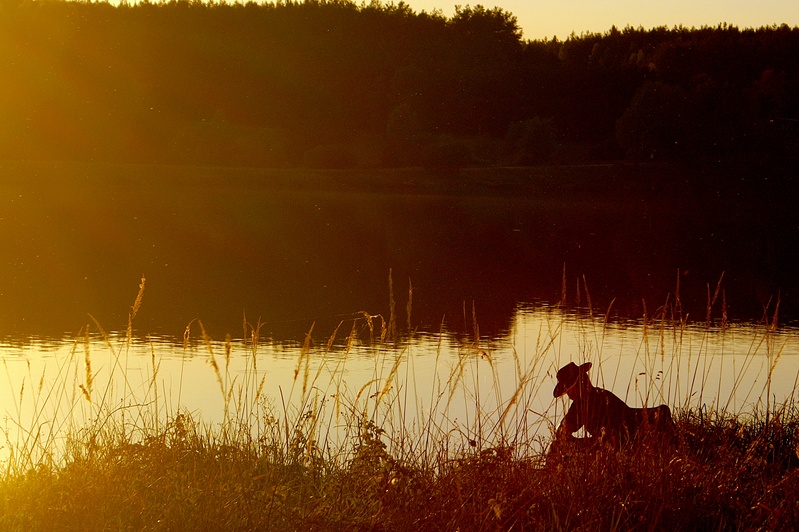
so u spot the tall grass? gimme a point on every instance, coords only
(92, 447)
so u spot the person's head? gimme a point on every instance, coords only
(571, 379)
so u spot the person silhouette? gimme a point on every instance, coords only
(606, 418)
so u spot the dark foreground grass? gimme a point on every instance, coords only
(134, 464)
(726, 475)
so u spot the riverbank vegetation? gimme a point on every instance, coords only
(326, 457)
(340, 84)
(727, 475)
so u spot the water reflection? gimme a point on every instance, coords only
(220, 245)
(496, 388)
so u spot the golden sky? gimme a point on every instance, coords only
(548, 18)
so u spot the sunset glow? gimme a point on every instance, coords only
(540, 19)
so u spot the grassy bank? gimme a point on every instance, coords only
(728, 475)
(93, 456)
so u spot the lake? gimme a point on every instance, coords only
(293, 248)
(430, 384)
(499, 276)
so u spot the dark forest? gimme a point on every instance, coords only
(335, 84)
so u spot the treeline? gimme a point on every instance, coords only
(334, 83)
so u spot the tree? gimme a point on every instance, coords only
(654, 125)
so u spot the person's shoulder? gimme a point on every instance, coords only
(607, 395)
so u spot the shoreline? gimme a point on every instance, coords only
(605, 179)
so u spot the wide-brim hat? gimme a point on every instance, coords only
(568, 375)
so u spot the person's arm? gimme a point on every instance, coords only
(571, 423)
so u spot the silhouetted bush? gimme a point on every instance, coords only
(534, 141)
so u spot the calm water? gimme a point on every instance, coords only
(500, 282)
(493, 388)
(217, 246)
